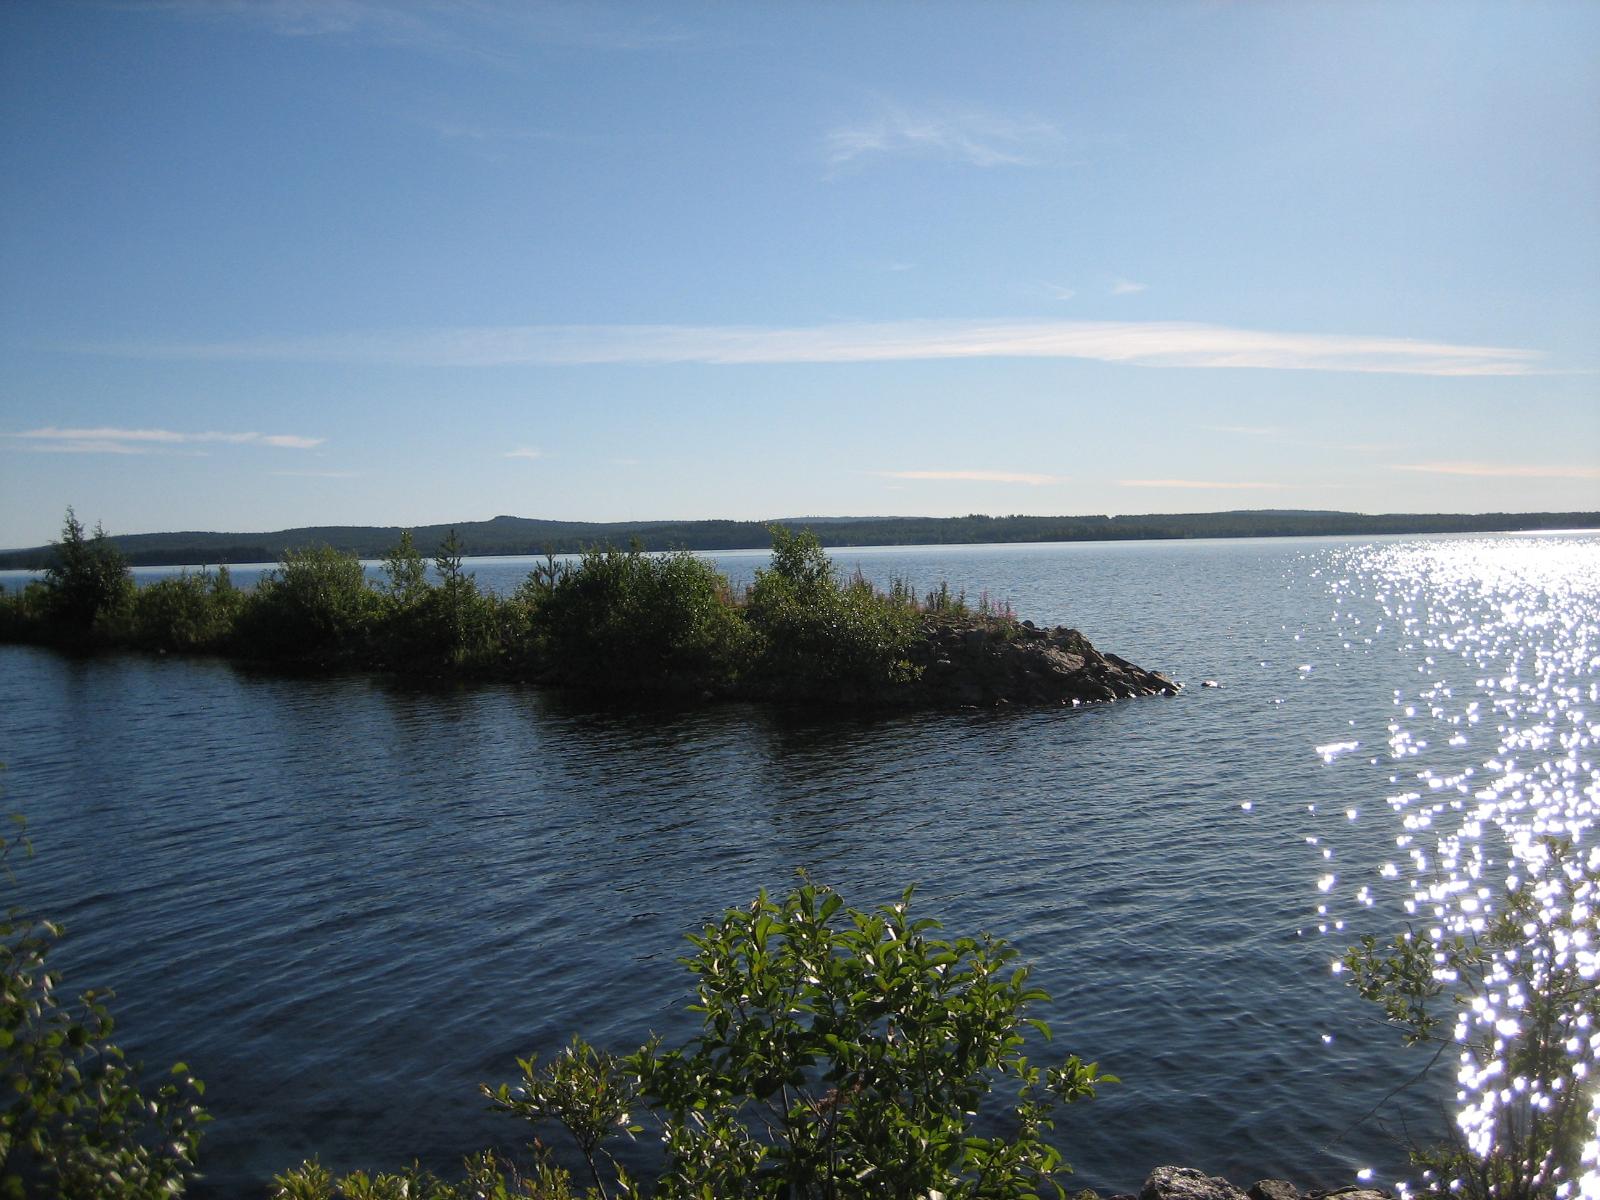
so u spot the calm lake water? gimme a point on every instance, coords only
(346, 902)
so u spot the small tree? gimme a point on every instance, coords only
(405, 572)
(89, 580)
(461, 618)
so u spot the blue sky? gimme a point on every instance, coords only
(342, 261)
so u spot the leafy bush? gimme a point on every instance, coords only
(818, 637)
(316, 606)
(88, 586)
(842, 1054)
(74, 1121)
(488, 1177)
(187, 613)
(1518, 1001)
(625, 621)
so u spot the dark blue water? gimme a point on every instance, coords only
(346, 902)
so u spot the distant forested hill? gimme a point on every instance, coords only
(525, 535)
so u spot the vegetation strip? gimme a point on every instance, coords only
(616, 624)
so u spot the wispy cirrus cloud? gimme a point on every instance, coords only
(524, 452)
(359, 20)
(1198, 484)
(1127, 287)
(968, 136)
(1501, 470)
(977, 476)
(482, 29)
(109, 440)
(1139, 343)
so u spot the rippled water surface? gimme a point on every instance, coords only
(346, 902)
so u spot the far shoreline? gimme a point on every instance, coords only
(519, 537)
(18, 574)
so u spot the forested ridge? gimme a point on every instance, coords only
(524, 535)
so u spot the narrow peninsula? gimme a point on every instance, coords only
(616, 625)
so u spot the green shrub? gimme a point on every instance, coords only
(186, 613)
(24, 613)
(842, 1054)
(316, 607)
(820, 638)
(74, 1120)
(487, 1177)
(624, 621)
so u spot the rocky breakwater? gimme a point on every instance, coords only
(1186, 1183)
(987, 663)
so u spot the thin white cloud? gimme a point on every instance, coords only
(317, 474)
(1200, 484)
(977, 476)
(1247, 430)
(1126, 287)
(480, 134)
(1056, 292)
(1501, 470)
(108, 440)
(976, 138)
(525, 452)
(88, 446)
(1140, 343)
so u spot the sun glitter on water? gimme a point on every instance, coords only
(1496, 800)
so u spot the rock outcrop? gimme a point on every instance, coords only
(1186, 1183)
(990, 663)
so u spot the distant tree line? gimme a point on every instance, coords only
(520, 536)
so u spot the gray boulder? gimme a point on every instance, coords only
(1186, 1183)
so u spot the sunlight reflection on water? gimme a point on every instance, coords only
(1495, 741)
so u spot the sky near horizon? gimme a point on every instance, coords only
(267, 263)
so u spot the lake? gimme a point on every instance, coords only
(347, 901)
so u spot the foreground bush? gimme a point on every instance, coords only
(1519, 1003)
(487, 1177)
(75, 1122)
(842, 1054)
